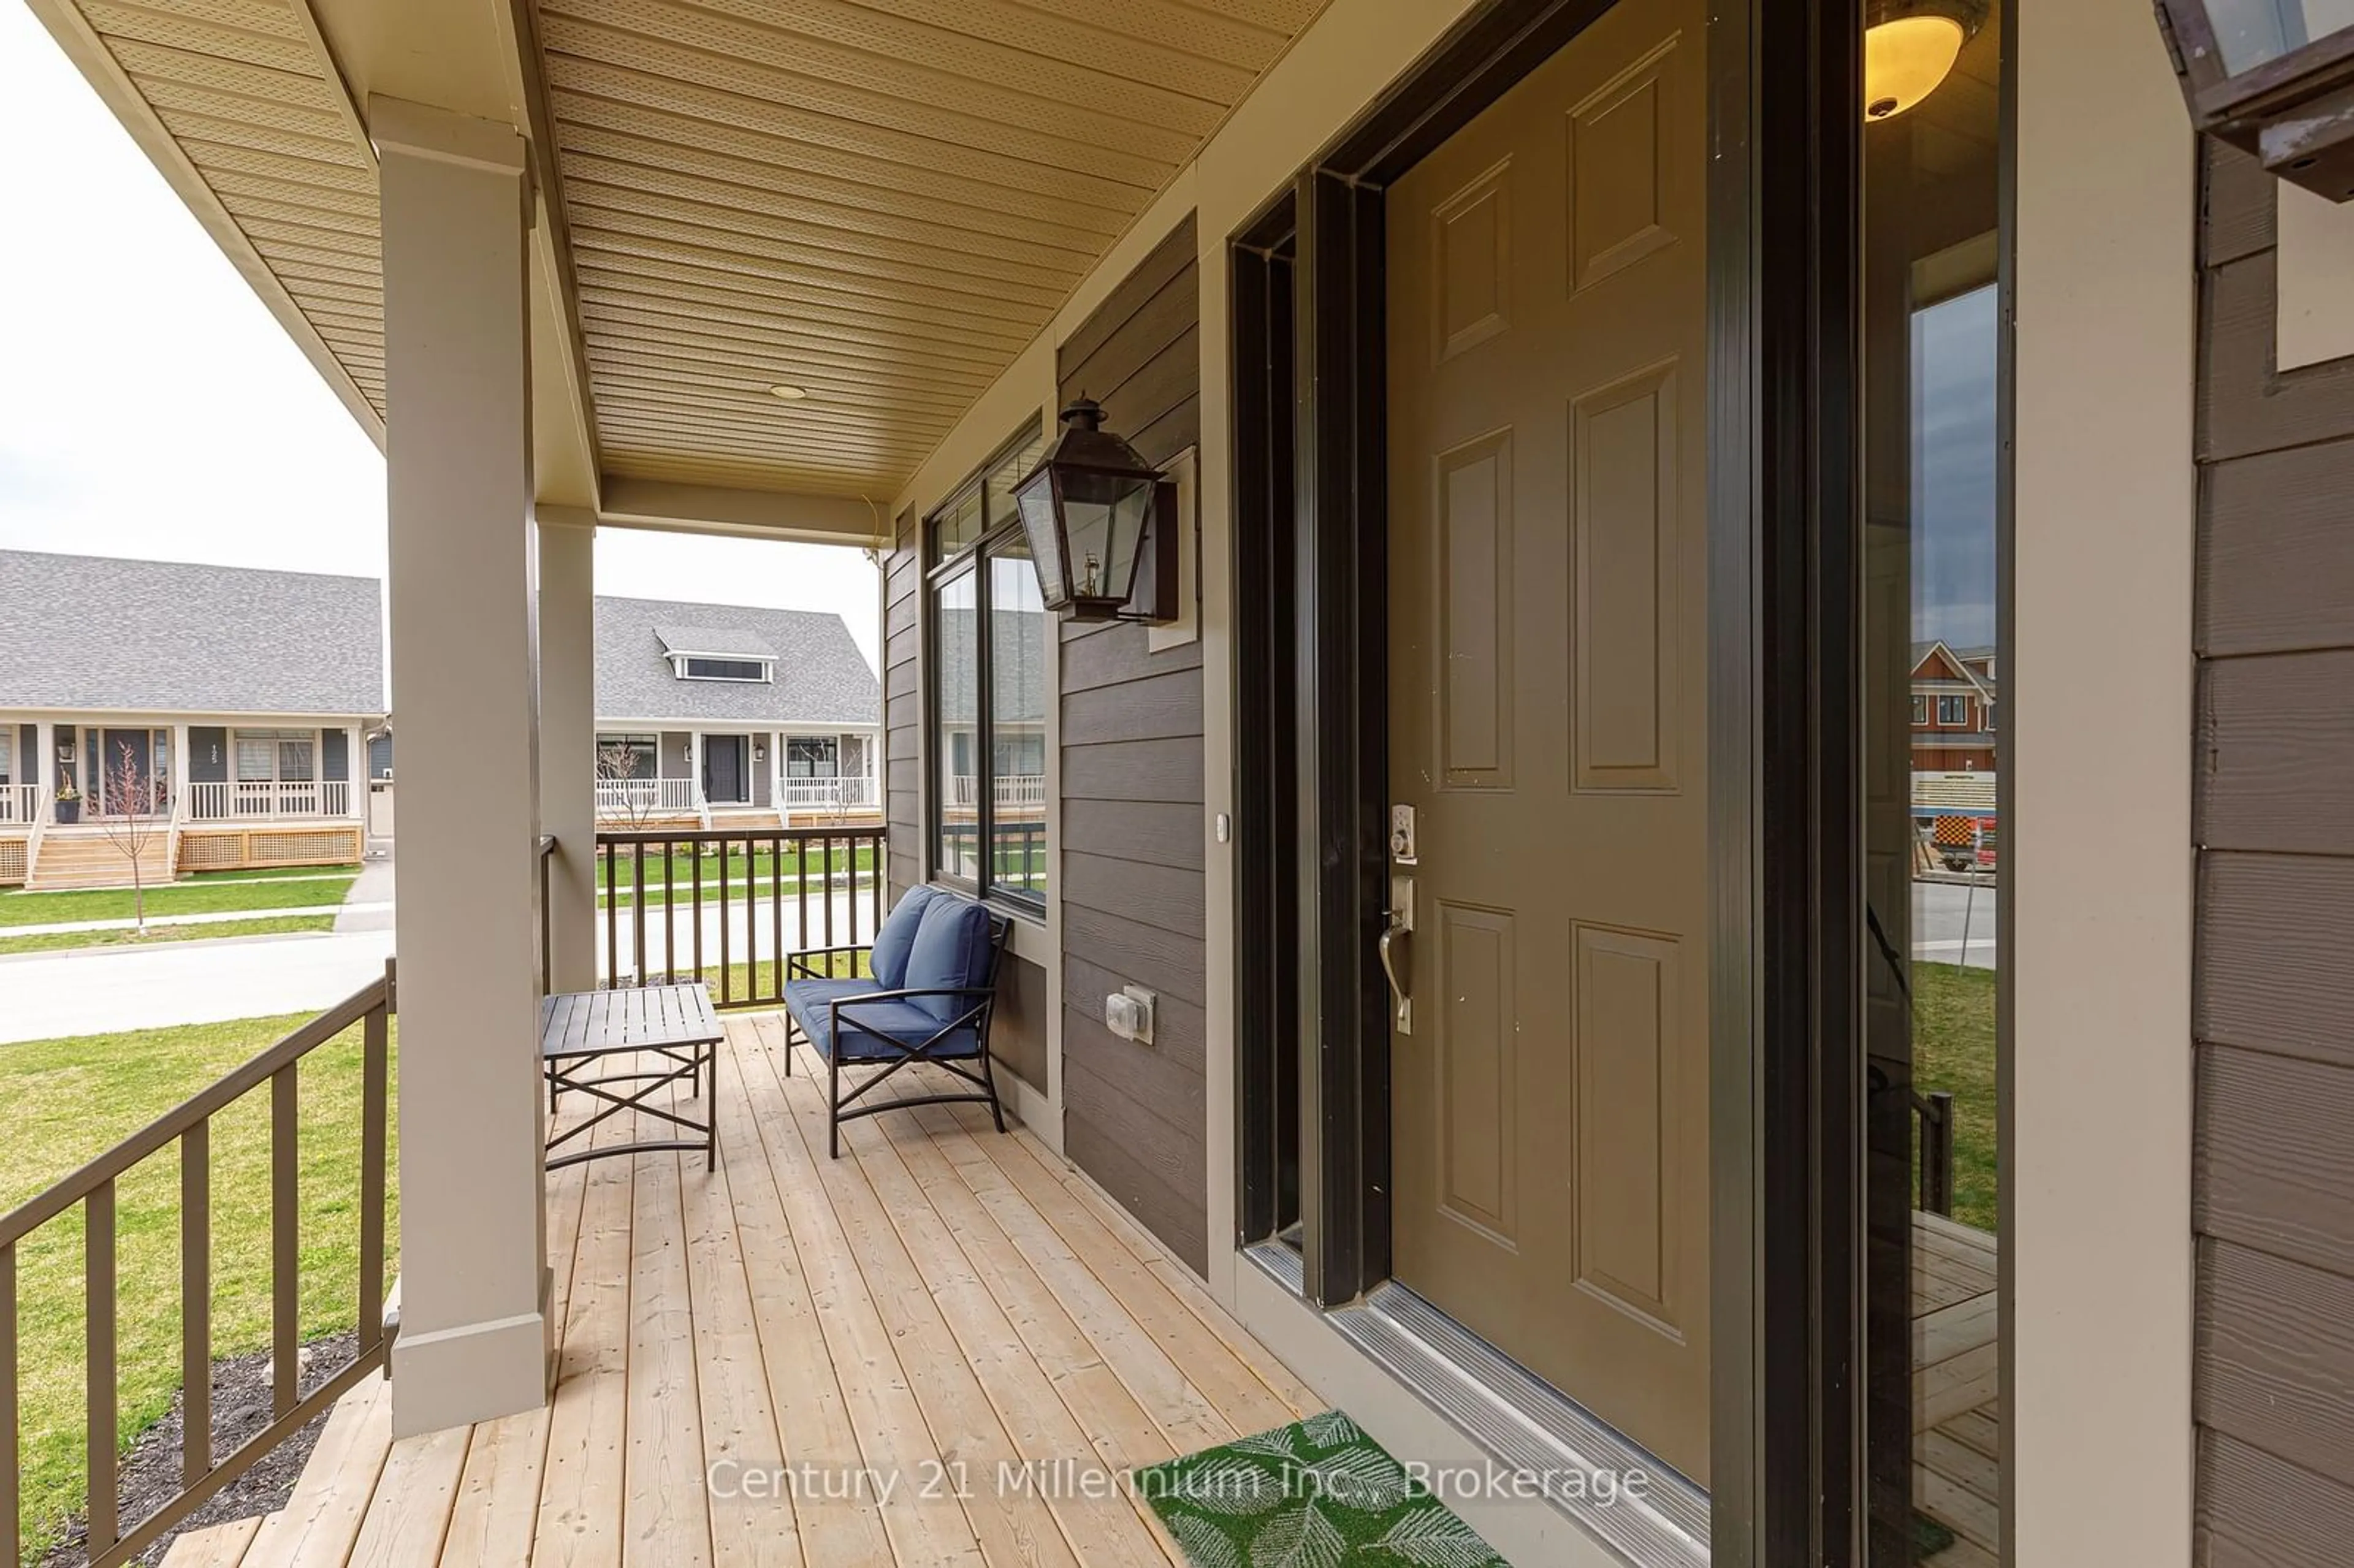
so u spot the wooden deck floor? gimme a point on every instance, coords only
(949, 1307)
(1957, 1406)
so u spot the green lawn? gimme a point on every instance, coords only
(70, 1100)
(1952, 1049)
(190, 895)
(54, 941)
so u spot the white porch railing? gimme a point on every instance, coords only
(1013, 789)
(628, 799)
(829, 794)
(20, 803)
(241, 798)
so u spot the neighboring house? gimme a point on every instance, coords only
(1953, 709)
(239, 698)
(722, 713)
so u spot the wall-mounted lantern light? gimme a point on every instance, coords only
(686, 751)
(1910, 48)
(1102, 524)
(2275, 77)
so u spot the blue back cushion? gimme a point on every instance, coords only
(952, 950)
(898, 937)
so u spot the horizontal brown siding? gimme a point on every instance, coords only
(2274, 1011)
(903, 702)
(1135, 1116)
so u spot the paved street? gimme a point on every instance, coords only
(1943, 913)
(99, 991)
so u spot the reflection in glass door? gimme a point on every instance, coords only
(1934, 668)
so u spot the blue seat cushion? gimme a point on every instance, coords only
(887, 962)
(952, 952)
(806, 999)
(878, 1031)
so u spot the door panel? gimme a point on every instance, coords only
(1547, 620)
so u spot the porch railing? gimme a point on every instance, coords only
(1012, 789)
(1936, 1111)
(20, 803)
(629, 800)
(92, 1190)
(239, 799)
(830, 794)
(725, 906)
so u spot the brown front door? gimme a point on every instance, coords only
(1547, 368)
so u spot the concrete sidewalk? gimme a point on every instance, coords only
(368, 905)
(213, 918)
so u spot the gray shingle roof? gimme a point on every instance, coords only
(727, 639)
(821, 677)
(166, 637)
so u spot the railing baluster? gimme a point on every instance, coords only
(11, 1548)
(196, 1303)
(695, 923)
(726, 982)
(638, 913)
(875, 889)
(101, 1418)
(827, 860)
(669, 912)
(285, 1242)
(777, 913)
(375, 1095)
(800, 896)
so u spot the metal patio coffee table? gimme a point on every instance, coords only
(675, 1023)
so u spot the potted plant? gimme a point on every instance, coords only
(68, 803)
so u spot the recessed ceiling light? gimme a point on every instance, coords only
(790, 393)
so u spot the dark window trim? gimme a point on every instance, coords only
(1787, 1461)
(973, 556)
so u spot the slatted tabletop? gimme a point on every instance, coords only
(661, 1036)
(642, 1018)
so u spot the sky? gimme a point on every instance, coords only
(149, 407)
(1956, 466)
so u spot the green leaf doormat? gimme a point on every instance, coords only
(1317, 1494)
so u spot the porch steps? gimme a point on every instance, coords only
(214, 1546)
(79, 858)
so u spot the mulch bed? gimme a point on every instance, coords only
(151, 1471)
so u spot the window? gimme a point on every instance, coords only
(276, 756)
(988, 684)
(810, 757)
(1920, 709)
(8, 757)
(628, 755)
(1985, 718)
(1952, 710)
(694, 669)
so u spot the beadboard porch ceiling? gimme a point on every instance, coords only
(878, 202)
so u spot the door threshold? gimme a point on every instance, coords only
(1525, 1425)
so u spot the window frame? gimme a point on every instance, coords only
(765, 670)
(1960, 706)
(972, 556)
(1920, 710)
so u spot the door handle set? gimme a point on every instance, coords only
(1401, 924)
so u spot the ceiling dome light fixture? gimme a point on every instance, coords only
(1909, 49)
(788, 394)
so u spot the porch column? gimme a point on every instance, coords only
(473, 1307)
(178, 782)
(43, 769)
(568, 740)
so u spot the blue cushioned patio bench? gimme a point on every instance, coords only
(928, 993)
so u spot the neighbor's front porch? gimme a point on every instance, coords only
(944, 1305)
